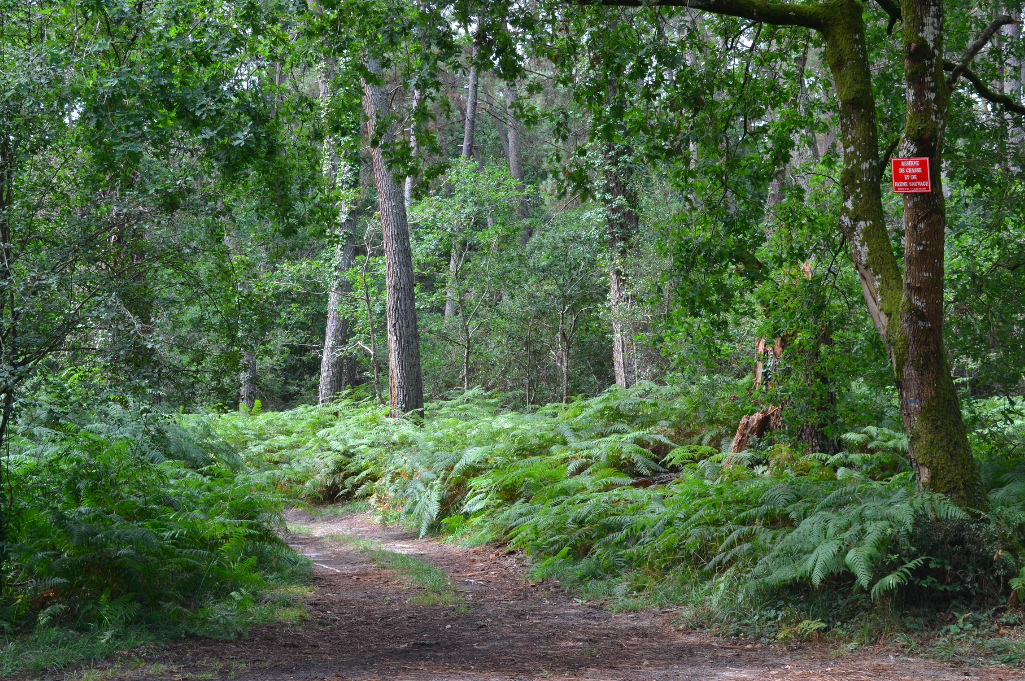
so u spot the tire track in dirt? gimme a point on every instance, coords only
(361, 625)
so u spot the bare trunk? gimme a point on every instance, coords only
(415, 147)
(526, 373)
(514, 154)
(451, 293)
(1012, 81)
(623, 360)
(405, 380)
(466, 355)
(469, 133)
(566, 333)
(9, 318)
(375, 362)
(247, 392)
(470, 122)
(565, 371)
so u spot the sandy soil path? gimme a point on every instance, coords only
(361, 625)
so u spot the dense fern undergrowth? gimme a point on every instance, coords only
(628, 498)
(127, 527)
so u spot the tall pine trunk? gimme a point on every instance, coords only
(405, 380)
(469, 136)
(514, 155)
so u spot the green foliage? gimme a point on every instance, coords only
(607, 490)
(127, 519)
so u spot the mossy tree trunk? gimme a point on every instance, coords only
(906, 308)
(937, 439)
(621, 215)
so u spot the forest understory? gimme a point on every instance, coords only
(485, 619)
(668, 339)
(147, 530)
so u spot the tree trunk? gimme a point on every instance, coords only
(469, 136)
(375, 362)
(1011, 84)
(937, 438)
(564, 374)
(247, 391)
(470, 122)
(907, 312)
(9, 327)
(514, 155)
(337, 365)
(621, 213)
(415, 147)
(405, 380)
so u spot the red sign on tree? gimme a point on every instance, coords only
(910, 175)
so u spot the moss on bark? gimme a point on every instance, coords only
(941, 448)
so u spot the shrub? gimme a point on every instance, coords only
(630, 488)
(136, 518)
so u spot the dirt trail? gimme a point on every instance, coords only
(361, 626)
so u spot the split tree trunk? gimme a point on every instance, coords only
(405, 380)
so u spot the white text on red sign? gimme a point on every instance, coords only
(910, 175)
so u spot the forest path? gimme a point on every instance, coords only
(372, 622)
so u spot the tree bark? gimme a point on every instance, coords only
(621, 213)
(937, 438)
(247, 391)
(907, 310)
(514, 155)
(337, 365)
(405, 380)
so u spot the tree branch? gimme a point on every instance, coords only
(974, 48)
(984, 91)
(886, 157)
(892, 10)
(777, 13)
